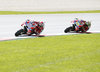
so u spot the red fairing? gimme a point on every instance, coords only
(29, 31)
(38, 29)
(32, 27)
(80, 25)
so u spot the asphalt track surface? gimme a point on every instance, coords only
(54, 23)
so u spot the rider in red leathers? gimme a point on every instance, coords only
(78, 26)
(33, 27)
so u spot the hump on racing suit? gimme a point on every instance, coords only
(81, 25)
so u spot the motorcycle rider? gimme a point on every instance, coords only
(33, 27)
(80, 25)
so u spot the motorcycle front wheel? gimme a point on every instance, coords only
(68, 29)
(20, 32)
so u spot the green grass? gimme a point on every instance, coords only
(54, 12)
(71, 53)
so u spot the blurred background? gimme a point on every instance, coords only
(49, 5)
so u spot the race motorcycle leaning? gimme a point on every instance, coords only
(24, 30)
(81, 29)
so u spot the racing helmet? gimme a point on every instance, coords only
(27, 21)
(76, 18)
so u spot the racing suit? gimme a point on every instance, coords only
(80, 25)
(34, 27)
